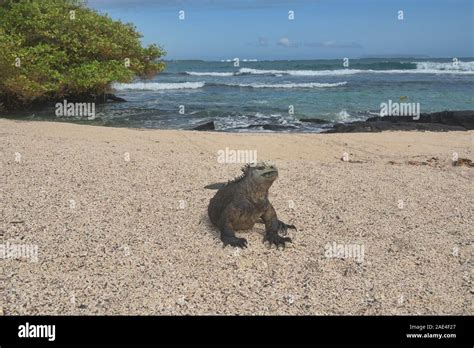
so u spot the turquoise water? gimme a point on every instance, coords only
(258, 93)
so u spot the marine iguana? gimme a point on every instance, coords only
(240, 203)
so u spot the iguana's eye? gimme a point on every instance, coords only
(260, 168)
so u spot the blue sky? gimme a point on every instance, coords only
(260, 29)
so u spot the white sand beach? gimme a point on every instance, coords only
(119, 219)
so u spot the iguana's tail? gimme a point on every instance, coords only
(216, 186)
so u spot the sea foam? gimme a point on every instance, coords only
(244, 71)
(461, 68)
(156, 86)
(289, 85)
(210, 73)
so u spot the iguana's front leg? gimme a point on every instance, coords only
(228, 237)
(227, 225)
(273, 226)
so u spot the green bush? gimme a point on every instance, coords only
(48, 52)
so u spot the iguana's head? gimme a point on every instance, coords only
(261, 172)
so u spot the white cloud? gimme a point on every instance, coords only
(284, 41)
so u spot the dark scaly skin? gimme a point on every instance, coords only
(244, 201)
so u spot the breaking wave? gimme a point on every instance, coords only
(462, 68)
(156, 86)
(450, 67)
(210, 73)
(244, 71)
(289, 85)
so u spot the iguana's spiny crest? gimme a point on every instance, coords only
(261, 172)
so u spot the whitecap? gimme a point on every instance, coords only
(290, 85)
(209, 73)
(155, 86)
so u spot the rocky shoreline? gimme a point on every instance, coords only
(443, 121)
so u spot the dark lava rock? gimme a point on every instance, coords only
(435, 122)
(315, 120)
(453, 118)
(276, 127)
(272, 127)
(114, 98)
(205, 126)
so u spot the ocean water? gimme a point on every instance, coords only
(259, 93)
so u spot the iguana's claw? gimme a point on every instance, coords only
(235, 242)
(277, 240)
(283, 228)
